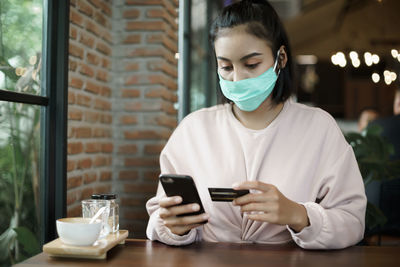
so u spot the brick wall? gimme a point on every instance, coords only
(122, 90)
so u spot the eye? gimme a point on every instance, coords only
(226, 68)
(252, 66)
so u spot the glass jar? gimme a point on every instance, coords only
(113, 219)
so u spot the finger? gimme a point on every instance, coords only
(264, 207)
(186, 220)
(250, 198)
(170, 201)
(264, 217)
(257, 185)
(183, 230)
(183, 209)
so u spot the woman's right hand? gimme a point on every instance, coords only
(170, 208)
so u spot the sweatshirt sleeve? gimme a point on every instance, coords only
(155, 227)
(337, 218)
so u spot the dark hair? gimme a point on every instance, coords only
(263, 22)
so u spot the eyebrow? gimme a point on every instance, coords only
(243, 58)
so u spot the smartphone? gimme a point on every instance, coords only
(184, 186)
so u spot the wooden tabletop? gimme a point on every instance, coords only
(146, 253)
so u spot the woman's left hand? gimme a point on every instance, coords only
(270, 205)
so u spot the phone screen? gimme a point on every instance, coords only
(184, 186)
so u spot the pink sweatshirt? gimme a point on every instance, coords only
(302, 152)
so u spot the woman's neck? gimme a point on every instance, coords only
(259, 118)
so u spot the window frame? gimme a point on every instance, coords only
(53, 124)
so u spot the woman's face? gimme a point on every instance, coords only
(241, 55)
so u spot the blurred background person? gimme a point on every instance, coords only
(366, 116)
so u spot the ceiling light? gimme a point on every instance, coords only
(342, 62)
(388, 80)
(334, 59)
(353, 55)
(375, 59)
(393, 76)
(386, 73)
(375, 77)
(394, 52)
(356, 63)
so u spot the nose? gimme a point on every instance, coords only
(238, 75)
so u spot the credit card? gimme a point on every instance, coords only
(226, 194)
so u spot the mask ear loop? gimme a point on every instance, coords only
(276, 63)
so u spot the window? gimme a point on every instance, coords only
(33, 90)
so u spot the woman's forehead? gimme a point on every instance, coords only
(237, 42)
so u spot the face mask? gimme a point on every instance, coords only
(248, 94)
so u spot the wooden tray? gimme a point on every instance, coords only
(99, 249)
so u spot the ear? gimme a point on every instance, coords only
(282, 57)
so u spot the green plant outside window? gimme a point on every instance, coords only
(20, 62)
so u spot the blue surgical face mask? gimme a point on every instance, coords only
(248, 94)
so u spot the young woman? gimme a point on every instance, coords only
(303, 177)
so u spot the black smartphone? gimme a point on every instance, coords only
(184, 186)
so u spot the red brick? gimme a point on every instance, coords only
(102, 75)
(83, 100)
(71, 97)
(92, 147)
(73, 32)
(133, 39)
(153, 149)
(75, 17)
(73, 182)
(84, 8)
(102, 189)
(105, 91)
(162, 14)
(131, 13)
(90, 116)
(144, 2)
(105, 63)
(168, 107)
(153, 52)
(146, 134)
(72, 65)
(140, 188)
(141, 162)
(86, 69)
(85, 163)
(74, 114)
(93, 28)
(86, 39)
(145, 26)
(136, 79)
(101, 19)
(75, 148)
(89, 177)
(162, 65)
(83, 132)
(107, 148)
(75, 51)
(128, 175)
(101, 132)
(70, 165)
(105, 176)
(162, 93)
(103, 48)
(102, 104)
(106, 118)
(92, 87)
(151, 175)
(100, 161)
(128, 119)
(127, 149)
(107, 37)
(75, 82)
(92, 58)
(131, 93)
(131, 66)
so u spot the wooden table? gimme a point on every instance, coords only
(144, 253)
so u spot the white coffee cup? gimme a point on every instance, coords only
(77, 231)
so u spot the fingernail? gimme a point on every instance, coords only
(178, 199)
(205, 217)
(235, 185)
(195, 207)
